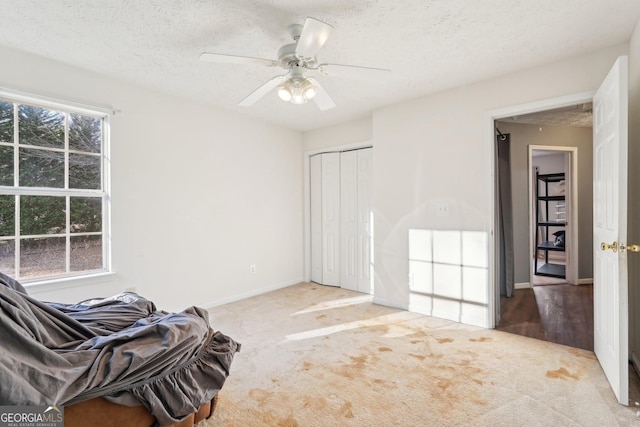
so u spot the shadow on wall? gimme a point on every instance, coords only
(448, 274)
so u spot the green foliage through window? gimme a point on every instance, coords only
(40, 126)
(7, 216)
(6, 121)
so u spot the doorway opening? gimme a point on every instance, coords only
(553, 213)
(549, 226)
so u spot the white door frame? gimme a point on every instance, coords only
(490, 137)
(307, 195)
(572, 246)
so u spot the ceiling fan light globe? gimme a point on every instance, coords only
(298, 99)
(310, 91)
(284, 93)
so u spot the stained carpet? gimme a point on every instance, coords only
(321, 356)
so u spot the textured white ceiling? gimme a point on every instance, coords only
(580, 115)
(429, 45)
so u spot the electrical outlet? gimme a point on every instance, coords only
(252, 269)
(442, 209)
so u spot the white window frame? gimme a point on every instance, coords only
(105, 115)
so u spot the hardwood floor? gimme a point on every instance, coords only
(562, 314)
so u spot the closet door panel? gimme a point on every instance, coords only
(315, 182)
(364, 225)
(349, 245)
(331, 218)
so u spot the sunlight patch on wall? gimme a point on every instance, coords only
(448, 274)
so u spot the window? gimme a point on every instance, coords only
(53, 181)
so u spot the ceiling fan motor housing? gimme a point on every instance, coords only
(288, 60)
(295, 30)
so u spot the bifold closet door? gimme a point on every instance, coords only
(315, 183)
(349, 220)
(341, 229)
(365, 220)
(325, 218)
(331, 219)
(355, 215)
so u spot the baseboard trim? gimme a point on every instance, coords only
(391, 304)
(253, 293)
(474, 319)
(527, 285)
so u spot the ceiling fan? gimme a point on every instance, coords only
(299, 58)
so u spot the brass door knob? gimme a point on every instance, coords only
(613, 246)
(630, 248)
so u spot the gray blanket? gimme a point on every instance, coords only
(120, 348)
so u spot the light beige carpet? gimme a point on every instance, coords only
(321, 356)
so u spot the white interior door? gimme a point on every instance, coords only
(610, 227)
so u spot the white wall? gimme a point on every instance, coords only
(356, 131)
(198, 194)
(434, 151)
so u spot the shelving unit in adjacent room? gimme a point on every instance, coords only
(550, 221)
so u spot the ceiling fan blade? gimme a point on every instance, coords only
(262, 91)
(322, 98)
(314, 34)
(234, 59)
(353, 72)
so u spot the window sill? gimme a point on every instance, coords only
(67, 282)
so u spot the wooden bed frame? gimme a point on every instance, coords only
(100, 412)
